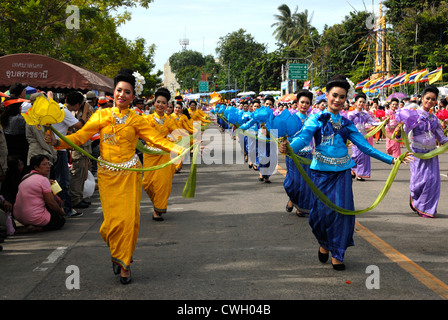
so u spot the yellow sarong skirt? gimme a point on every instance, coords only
(120, 194)
(158, 183)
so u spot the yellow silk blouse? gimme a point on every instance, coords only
(118, 140)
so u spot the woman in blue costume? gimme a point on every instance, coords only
(265, 159)
(219, 113)
(252, 143)
(300, 195)
(245, 115)
(331, 171)
(267, 148)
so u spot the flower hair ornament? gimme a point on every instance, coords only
(139, 82)
(351, 92)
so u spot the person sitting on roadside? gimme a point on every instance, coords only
(36, 207)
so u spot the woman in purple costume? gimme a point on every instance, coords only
(425, 130)
(392, 147)
(361, 118)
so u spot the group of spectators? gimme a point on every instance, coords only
(41, 186)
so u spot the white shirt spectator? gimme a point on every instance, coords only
(69, 121)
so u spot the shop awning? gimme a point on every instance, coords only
(46, 73)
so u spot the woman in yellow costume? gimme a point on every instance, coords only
(196, 114)
(120, 190)
(158, 183)
(182, 123)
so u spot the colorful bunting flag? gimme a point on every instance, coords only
(361, 84)
(375, 85)
(416, 77)
(433, 76)
(396, 81)
(367, 85)
(386, 83)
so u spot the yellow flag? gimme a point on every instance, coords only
(435, 76)
(366, 87)
(421, 75)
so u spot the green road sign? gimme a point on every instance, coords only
(298, 71)
(203, 86)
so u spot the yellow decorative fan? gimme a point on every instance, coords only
(44, 112)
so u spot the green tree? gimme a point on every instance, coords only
(95, 45)
(418, 33)
(236, 51)
(265, 72)
(182, 59)
(286, 27)
(345, 48)
(191, 67)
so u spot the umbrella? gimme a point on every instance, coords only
(443, 91)
(320, 97)
(398, 95)
(30, 90)
(288, 97)
(3, 95)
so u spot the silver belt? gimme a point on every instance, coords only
(331, 160)
(304, 151)
(124, 165)
(421, 146)
(150, 148)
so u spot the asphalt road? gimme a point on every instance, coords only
(235, 241)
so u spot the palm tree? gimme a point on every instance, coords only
(285, 25)
(303, 27)
(293, 29)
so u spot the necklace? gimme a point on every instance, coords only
(158, 120)
(336, 125)
(119, 120)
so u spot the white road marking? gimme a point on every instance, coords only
(52, 258)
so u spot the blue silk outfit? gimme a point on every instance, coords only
(331, 173)
(252, 142)
(266, 149)
(243, 139)
(295, 186)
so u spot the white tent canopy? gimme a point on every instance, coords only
(443, 91)
(272, 93)
(248, 93)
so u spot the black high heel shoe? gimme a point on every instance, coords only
(116, 268)
(126, 280)
(158, 216)
(323, 257)
(338, 266)
(288, 209)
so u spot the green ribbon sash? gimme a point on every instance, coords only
(424, 156)
(324, 199)
(190, 186)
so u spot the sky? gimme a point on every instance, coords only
(203, 22)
